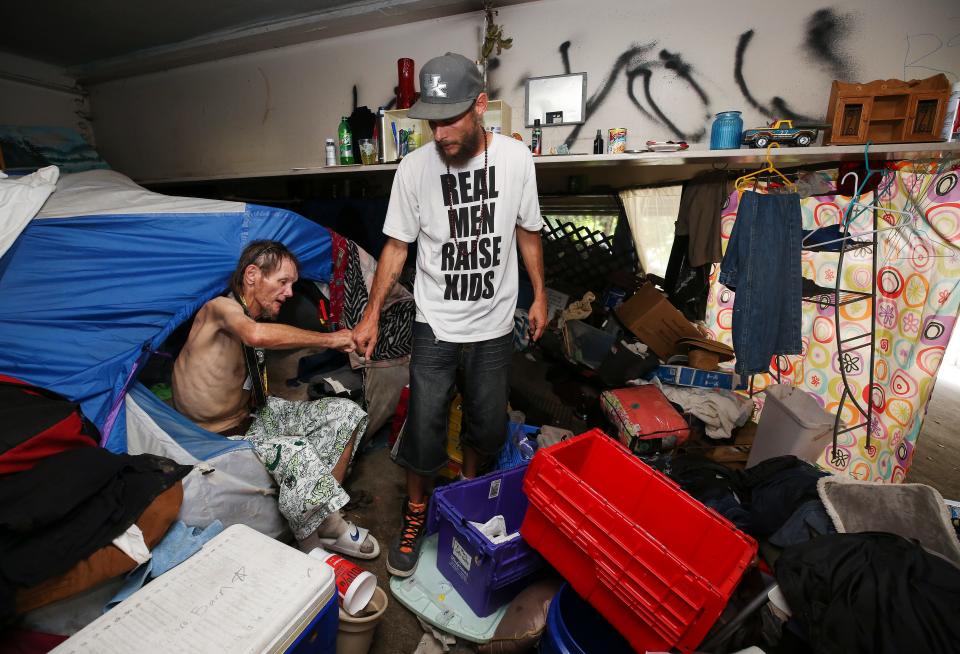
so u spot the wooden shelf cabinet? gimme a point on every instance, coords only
(887, 111)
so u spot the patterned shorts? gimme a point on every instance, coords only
(300, 443)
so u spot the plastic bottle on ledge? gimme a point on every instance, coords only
(378, 131)
(331, 152)
(536, 139)
(346, 142)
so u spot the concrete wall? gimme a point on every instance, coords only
(49, 102)
(660, 68)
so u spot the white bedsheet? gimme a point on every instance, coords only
(21, 199)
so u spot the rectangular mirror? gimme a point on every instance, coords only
(556, 99)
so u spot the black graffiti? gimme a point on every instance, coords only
(826, 32)
(386, 105)
(647, 75)
(779, 107)
(824, 35)
(565, 56)
(674, 62)
(634, 63)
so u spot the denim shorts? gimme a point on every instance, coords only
(762, 266)
(484, 368)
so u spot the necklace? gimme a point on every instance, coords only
(256, 361)
(452, 213)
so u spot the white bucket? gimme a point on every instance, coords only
(355, 633)
(792, 422)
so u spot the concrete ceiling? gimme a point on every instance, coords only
(96, 40)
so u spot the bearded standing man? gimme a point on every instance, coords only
(469, 203)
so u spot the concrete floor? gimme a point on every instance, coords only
(937, 459)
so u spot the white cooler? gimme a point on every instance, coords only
(792, 422)
(244, 592)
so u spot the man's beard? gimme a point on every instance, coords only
(267, 314)
(468, 148)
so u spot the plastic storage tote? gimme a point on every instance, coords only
(575, 627)
(792, 422)
(656, 563)
(486, 575)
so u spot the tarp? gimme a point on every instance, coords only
(228, 482)
(108, 270)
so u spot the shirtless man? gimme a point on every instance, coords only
(219, 382)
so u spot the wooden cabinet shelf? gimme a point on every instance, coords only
(887, 111)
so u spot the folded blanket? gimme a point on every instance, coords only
(913, 511)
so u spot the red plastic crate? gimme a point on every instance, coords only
(656, 563)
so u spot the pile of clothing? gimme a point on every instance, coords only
(864, 567)
(72, 514)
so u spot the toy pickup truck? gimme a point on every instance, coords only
(779, 131)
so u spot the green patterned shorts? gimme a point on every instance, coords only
(300, 443)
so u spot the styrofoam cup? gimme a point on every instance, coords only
(355, 585)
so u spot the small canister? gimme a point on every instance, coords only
(617, 144)
(726, 131)
(330, 148)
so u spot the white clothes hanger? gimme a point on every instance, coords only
(906, 218)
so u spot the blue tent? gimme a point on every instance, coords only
(108, 270)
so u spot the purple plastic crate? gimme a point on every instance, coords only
(487, 576)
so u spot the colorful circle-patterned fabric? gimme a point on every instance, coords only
(917, 304)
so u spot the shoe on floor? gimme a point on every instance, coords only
(355, 541)
(405, 548)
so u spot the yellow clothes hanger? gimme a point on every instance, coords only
(769, 168)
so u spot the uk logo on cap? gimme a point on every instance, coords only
(435, 88)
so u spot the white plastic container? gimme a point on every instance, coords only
(792, 422)
(330, 152)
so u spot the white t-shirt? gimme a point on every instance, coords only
(463, 295)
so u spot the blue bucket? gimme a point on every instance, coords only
(575, 627)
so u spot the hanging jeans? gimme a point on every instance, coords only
(762, 266)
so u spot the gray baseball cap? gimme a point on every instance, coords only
(449, 85)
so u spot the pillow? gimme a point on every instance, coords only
(21, 199)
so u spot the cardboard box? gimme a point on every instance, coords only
(684, 376)
(651, 317)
